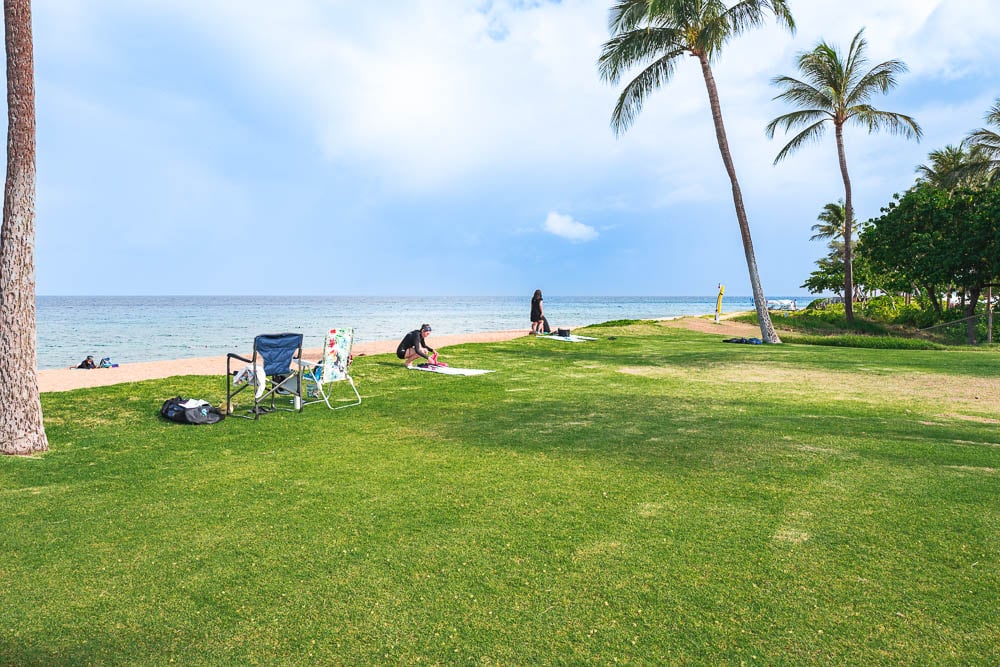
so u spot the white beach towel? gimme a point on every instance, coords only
(572, 338)
(249, 374)
(449, 370)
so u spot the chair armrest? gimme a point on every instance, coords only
(308, 366)
(309, 369)
(233, 355)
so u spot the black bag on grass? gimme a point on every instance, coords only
(191, 411)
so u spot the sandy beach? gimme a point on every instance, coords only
(64, 379)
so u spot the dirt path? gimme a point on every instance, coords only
(725, 327)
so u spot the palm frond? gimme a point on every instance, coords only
(627, 15)
(632, 97)
(626, 51)
(993, 116)
(880, 78)
(831, 222)
(978, 170)
(745, 15)
(877, 120)
(796, 119)
(802, 94)
(854, 62)
(812, 133)
(985, 143)
(748, 14)
(823, 69)
(985, 138)
(951, 166)
(783, 14)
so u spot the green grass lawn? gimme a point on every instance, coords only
(656, 498)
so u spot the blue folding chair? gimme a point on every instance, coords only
(269, 372)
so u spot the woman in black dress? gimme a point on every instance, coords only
(536, 312)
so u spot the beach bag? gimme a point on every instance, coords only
(562, 332)
(190, 411)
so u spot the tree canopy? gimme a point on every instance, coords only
(938, 238)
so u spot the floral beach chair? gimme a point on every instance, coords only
(321, 378)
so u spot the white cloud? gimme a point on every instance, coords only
(451, 104)
(568, 228)
(427, 93)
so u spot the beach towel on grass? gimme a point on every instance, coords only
(572, 338)
(448, 370)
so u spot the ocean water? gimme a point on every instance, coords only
(131, 329)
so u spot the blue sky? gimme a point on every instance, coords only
(446, 147)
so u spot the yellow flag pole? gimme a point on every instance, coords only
(718, 302)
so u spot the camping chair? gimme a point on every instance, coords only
(333, 368)
(269, 372)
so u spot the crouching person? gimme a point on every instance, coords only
(414, 344)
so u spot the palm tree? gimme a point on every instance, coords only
(952, 166)
(658, 34)
(831, 222)
(987, 142)
(836, 90)
(21, 428)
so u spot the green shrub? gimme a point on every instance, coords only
(915, 315)
(883, 308)
(870, 342)
(829, 320)
(820, 304)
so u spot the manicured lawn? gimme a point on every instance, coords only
(657, 498)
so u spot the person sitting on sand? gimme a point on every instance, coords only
(88, 362)
(414, 344)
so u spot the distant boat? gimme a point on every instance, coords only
(782, 304)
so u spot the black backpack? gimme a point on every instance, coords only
(174, 410)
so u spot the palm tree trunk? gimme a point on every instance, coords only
(21, 427)
(767, 332)
(848, 231)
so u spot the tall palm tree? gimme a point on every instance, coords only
(658, 34)
(836, 91)
(987, 141)
(21, 428)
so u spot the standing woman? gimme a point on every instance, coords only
(536, 312)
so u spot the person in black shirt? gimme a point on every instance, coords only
(536, 312)
(88, 362)
(414, 344)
